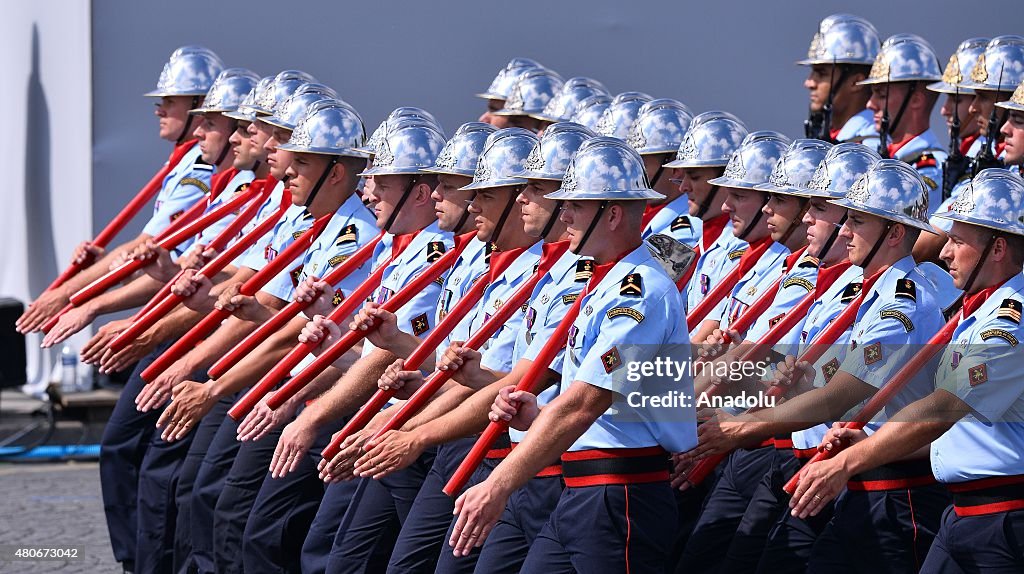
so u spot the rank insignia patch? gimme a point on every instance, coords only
(420, 324)
(626, 312)
(906, 289)
(349, 234)
(681, 222)
(977, 375)
(611, 360)
(177, 214)
(632, 285)
(435, 249)
(899, 316)
(873, 353)
(1010, 309)
(775, 320)
(829, 369)
(584, 270)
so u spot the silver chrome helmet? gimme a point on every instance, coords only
(460, 154)
(793, 172)
(1016, 101)
(501, 85)
(245, 109)
(843, 39)
(605, 168)
(407, 150)
(710, 141)
(331, 127)
(993, 199)
(892, 190)
(561, 107)
(837, 172)
(190, 71)
(620, 115)
(659, 127)
(550, 157)
(504, 155)
(1000, 67)
(753, 162)
(285, 84)
(959, 68)
(228, 91)
(289, 112)
(531, 92)
(904, 58)
(590, 110)
(395, 115)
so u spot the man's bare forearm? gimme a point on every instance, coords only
(351, 391)
(136, 293)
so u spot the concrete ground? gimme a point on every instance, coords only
(53, 505)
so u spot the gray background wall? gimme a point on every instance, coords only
(732, 55)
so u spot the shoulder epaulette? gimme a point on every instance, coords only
(681, 222)
(906, 289)
(1010, 309)
(349, 234)
(435, 249)
(850, 293)
(202, 165)
(584, 270)
(926, 160)
(632, 285)
(809, 262)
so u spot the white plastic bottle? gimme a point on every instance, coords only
(68, 370)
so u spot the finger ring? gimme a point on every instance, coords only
(816, 497)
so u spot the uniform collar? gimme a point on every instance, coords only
(861, 125)
(913, 145)
(1012, 286)
(565, 264)
(522, 264)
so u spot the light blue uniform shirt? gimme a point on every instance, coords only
(860, 129)
(980, 366)
(351, 227)
(497, 351)
(470, 267)
(714, 264)
(186, 184)
(291, 226)
(675, 221)
(418, 315)
(238, 184)
(765, 271)
(631, 318)
(796, 284)
(899, 314)
(551, 299)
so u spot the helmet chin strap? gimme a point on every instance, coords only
(795, 223)
(831, 239)
(876, 246)
(981, 261)
(552, 220)
(401, 201)
(185, 131)
(320, 182)
(462, 219)
(504, 215)
(227, 145)
(593, 225)
(757, 218)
